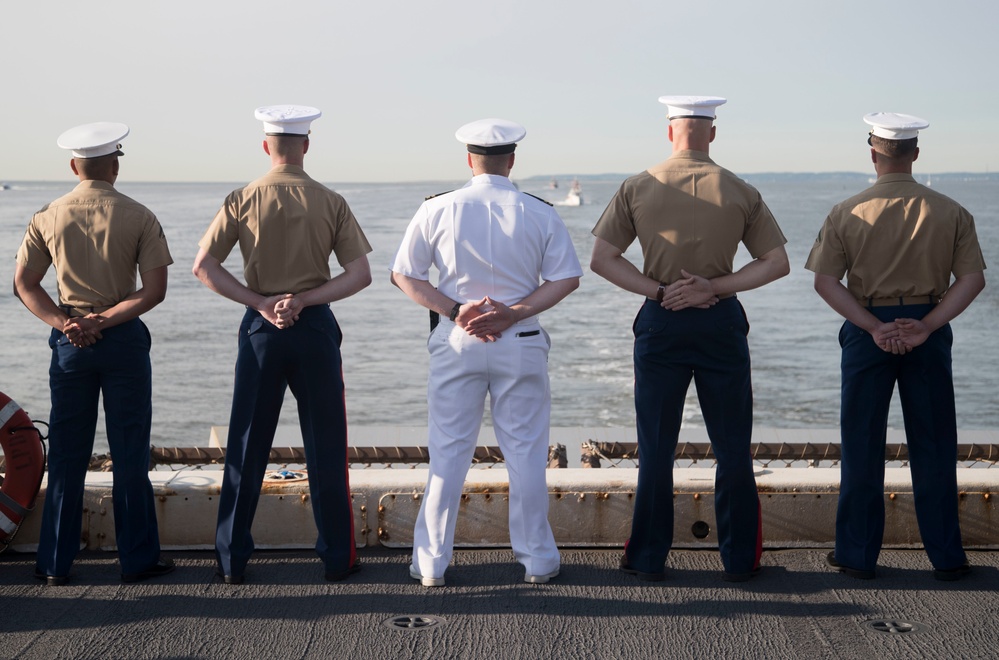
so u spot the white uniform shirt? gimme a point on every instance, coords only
(487, 239)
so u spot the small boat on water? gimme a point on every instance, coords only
(574, 197)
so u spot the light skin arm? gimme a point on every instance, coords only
(426, 294)
(213, 274)
(84, 331)
(281, 310)
(837, 296)
(355, 276)
(913, 332)
(492, 323)
(609, 262)
(695, 291)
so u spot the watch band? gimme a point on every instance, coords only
(454, 311)
(660, 292)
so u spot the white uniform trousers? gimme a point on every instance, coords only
(514, 372)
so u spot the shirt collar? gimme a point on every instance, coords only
(690, 154)
(491, 180)
(293, 169)
(895, 178)
(94, 184)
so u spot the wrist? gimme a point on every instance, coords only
(660, 292)
(453, 314)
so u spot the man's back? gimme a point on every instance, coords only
(489, 239)
(96, 237)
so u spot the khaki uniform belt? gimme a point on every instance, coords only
(84, 311)
(900, 300)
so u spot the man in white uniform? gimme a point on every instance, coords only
(503, 257)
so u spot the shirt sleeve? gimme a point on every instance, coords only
(968, 256)
(560, 261)
(223, 233)
(153, 249)
(827, 256)
(350, 242)
(33, 253)
(762, 232)
(616, 225)
(415, 254)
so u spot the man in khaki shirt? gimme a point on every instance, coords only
(690, 215)
(897, 243)
(96, 238)
(286, 225)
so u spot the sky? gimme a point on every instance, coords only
(395, 79)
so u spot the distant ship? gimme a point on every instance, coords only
(575, 196)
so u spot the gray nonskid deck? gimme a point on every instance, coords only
(797, 608)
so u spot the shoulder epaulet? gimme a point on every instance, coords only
(539, 199)
(429, 197)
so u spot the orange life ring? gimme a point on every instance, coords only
(24, 458)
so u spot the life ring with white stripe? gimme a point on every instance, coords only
(24, 461)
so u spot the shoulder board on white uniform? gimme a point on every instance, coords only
(539, 199)
(429, 197)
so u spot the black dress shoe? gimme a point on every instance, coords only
(857, 573)
(648, 577)
(742, 577)
(51, 580)
(229, 579)
(161, 567)
(951, 574)
(337, 576)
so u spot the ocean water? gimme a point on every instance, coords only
(792, 337)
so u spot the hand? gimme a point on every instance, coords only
(486, 318)
(287, 310)
(83, 331)
(886, 337)
(912, 332)
(692, 291)
(268, 309)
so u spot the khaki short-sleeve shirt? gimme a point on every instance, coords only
(689, 213)
(898, 238)
(97, 239)
(287, 226)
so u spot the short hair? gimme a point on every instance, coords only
(492, 163)
(893, 148)
(286, 143)
(96, 168)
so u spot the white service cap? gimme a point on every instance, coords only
(691, 107)
(491, 136)
(287, 119)
(93, 140)
(895, 126)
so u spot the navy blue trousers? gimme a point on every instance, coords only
(926, 389)
(118, 368)
(710, 346)
(305, 358)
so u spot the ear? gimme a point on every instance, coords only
(305, 147)
(468, 159)
(513, 157)
(115, 165)
(915, 154)
(72, 166)
(670, 132)
(874, 156)
(713, 129)
(267, 147)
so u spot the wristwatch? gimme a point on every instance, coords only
(454, 311)
(661, 292)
